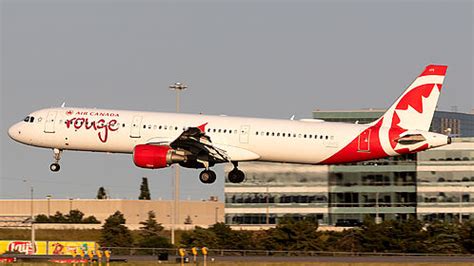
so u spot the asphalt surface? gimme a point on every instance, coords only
(327, 259)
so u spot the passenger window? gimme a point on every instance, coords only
(321, 137)
(278, 134)
(123, 125)
(225, 130)
(256, 133)
(39, 119)
(268, 133)
(283, 134)
(327, 137)
(144, 126)
(299, 135)
(273, 134)
(175, 128)
(304, 135)
(310, 136)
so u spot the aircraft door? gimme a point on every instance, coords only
(364, 141)
(50, 120)
(135, 128)
(244, 134)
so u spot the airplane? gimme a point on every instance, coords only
(158, 140)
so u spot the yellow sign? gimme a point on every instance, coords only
(47, 247)
(182, 252)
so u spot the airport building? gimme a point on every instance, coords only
(437, 184)
(191, 214)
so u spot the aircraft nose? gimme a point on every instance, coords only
(13, 132)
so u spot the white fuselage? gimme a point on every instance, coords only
(244, 139)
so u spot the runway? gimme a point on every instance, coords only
(350, 259)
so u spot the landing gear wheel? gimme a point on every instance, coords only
(207, 176)
(236, 176)
(54, 167)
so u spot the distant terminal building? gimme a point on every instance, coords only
(455, 123)
(192, 213)
(437, 184)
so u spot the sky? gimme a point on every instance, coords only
(269, 59)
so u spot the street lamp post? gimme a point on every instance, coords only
(48, 197)
(177, 87)
(32, 216)
(70, 204)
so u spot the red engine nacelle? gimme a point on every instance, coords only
(154, 156)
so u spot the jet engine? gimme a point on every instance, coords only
(155, 156)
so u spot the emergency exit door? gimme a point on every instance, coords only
(244, 134)
(136, 126)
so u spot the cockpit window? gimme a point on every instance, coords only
(27, 119)
(32, 119)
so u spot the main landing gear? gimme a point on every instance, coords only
(236, 175)
(57, 156)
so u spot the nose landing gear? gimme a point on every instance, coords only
(54, 167)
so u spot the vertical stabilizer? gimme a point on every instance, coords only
(414, 109)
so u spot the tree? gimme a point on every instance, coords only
(291, 234)
(74, 216)
(444, 238)
(58, 217)
(467, 235)
(90, 220)
(199, 237)
(150, 234)
(231, 239)
(114, 233)
(101, 193)
(42, 218)
(144, 190)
